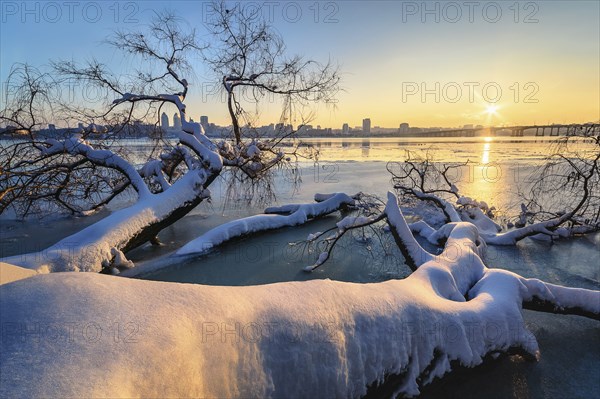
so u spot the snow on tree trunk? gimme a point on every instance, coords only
(317, 338)
(123, 230)
(299, 214)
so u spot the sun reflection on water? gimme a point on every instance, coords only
(485, 155)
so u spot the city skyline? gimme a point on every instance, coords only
(403, 127)
(463, 64)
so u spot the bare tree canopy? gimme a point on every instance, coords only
(86, 168)
(570, 168)
(250, 57)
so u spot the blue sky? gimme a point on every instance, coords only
(383, 47)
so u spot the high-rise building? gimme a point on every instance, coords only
(403, 128)
(164, 121)
(366, 127)
(204, 123)
(345, 129)
(176, 122)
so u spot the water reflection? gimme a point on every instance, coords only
(485, 155)
(366, 146)
(482, 149)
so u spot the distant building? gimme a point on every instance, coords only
(469, 126)
(176, 122)
(164, 121)
(305, 128)
(366, 126)
(404, 127)
(283, 128)
(345, 129)
(204, 123)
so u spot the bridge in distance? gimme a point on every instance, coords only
(517, 131)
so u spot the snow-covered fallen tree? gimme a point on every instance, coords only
(317, 338)
(293, 215)
(562, 199)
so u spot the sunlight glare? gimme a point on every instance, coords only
(491, 109)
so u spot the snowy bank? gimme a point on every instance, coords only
(10, 273)
(92, 335)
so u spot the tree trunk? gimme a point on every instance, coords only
(92, 248)
(234, 120)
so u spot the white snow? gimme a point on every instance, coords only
(400, 228)
(448, 207)
(92, 335)
(511, 237)
(313, 236)
(310, 339)
(119, 259)
(564, 297)
(320, 260)
(479, 219)
(226, 149)
(352, 221)
(253, 151)
(153, 168)
(87, 249)
(77, 146)
(10, 273)
(210, 157)
(253, 224)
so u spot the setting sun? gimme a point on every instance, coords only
(491, 109)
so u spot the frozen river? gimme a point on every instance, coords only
(570, 345)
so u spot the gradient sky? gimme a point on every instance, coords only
(548, 54)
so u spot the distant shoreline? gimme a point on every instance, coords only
(452, 139)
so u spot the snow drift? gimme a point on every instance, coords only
(92, 335)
